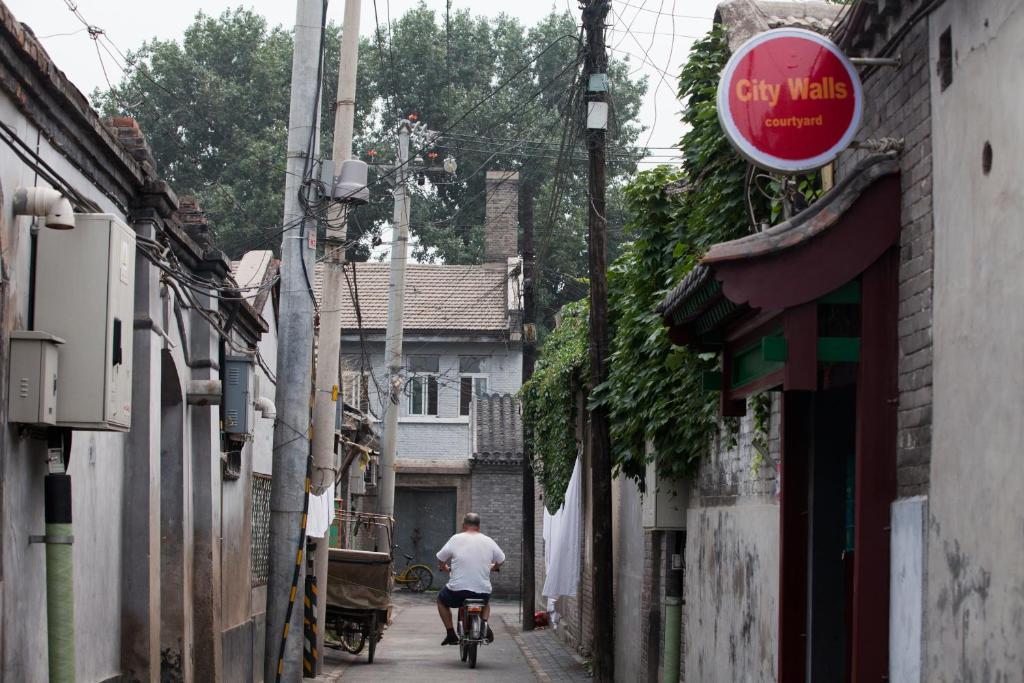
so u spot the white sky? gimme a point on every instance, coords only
(659, 37)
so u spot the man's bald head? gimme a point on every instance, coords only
(471, 521)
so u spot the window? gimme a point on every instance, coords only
(422, 386)
(355, 391)
(355, 382)
(472, 381)
(944, 66)
(259, 549)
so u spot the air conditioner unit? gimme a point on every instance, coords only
(85, 295)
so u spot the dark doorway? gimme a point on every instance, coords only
(816, 605)
(830, 534)
(424, 521)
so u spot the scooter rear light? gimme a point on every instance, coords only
(475, 608)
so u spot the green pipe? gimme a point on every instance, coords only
(673, 608)
(60, 599)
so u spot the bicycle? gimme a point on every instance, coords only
(414, 577)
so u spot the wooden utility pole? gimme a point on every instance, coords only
(529, 361)
(595, 73)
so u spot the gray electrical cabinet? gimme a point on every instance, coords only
(85, 294)
(34, 376)
(664, 502)
(238, 395)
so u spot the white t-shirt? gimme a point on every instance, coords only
(470, 555)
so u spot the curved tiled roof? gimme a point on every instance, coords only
(744, 19)
(443, 298)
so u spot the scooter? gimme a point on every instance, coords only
(471, 630)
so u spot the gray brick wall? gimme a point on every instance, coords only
(728, 474)
(501, 228)
(897, 104)
(498, 498)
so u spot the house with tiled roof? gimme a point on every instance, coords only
(459, 434)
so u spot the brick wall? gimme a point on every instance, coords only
(897, 104)
(501, 227)
(498, 499)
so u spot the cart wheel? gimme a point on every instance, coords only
(420, 578)
(472, 655)
(353, 641)
(372, 637)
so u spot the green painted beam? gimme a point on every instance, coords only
(749, 365)
(838, 349)
(847, 294)
(774, 349)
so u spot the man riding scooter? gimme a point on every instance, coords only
(470, 556)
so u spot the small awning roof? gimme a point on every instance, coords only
(812, 254)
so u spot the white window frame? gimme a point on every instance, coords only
(420, 382)
(355, 389)
(476, 378)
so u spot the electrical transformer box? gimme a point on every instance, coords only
(238, 395)
(664, 502)
(85, 294)
(33, 385)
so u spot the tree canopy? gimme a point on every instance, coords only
(214, 107)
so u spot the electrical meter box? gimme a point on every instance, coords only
(239, 413)
(85, 294)
(33, 385)
(664, 502)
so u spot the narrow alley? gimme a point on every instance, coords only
(409, 651)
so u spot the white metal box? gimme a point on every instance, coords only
(85, 294)
(33, 384)
(664, 502)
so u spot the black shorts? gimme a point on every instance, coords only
(452, 599)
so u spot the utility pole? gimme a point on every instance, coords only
(288, 495)
(595, 70)
(393, 343)
(529, 361)
(325, 397)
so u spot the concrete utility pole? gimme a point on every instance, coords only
(329, 339)
(529, 361)
(288, 494)
(595, 70)
(325, 404)
(393, 343)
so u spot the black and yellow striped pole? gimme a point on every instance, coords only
(309, 652)
(295, 576)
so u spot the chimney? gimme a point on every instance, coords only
(501, 226)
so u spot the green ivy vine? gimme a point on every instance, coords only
(761, 407)
(549, 400)
(654, 393)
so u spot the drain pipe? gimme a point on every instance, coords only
(60, 596)
(673, 606)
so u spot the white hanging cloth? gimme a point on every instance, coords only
(562, 533)
(321, 513)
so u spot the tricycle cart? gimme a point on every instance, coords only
(359, 583)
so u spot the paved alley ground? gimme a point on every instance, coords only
(410, 651)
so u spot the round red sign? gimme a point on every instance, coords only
(789, 100)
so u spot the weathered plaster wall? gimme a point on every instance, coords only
(974, 618)
(96, 470)
(731, 582)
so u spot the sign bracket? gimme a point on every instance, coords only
(896, 61)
